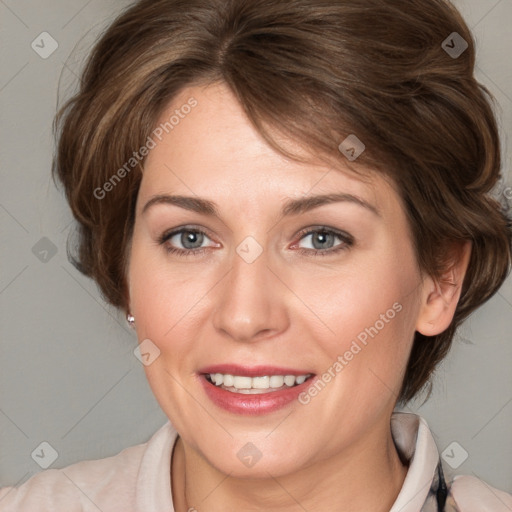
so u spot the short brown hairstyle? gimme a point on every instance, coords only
(316, 71)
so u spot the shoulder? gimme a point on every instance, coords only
(109, 484)
(78, 487)
(470, 494)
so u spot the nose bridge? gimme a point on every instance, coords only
(249, 302)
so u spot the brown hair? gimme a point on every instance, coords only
(316, 71)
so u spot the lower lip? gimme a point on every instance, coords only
(251, 405)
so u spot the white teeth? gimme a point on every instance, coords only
(229, 380)
(245, 384)
(242, 382)
(260, 382)
(276, 381)
(289, 380)
(300, 379)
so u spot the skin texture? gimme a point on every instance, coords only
(285, 309)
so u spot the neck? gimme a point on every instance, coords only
(366, 476)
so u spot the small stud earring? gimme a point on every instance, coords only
(131, 320)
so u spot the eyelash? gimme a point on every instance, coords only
(347, 242)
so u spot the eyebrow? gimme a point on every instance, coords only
(291, 206)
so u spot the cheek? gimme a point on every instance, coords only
(356, 298)
(164, 302)
(168, 304)
(370, 312)
(160, 293)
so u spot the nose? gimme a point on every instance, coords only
(251, 301)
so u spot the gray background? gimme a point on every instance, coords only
(68, 375)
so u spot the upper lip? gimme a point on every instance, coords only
(252, 371)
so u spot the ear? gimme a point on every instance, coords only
(440, 296)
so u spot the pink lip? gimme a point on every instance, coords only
(251, 405)
(252, 371)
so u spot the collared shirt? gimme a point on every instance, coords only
(138, 480)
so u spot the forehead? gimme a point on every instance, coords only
(212, 150)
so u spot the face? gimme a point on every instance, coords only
(257, 287)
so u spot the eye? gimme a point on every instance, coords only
(190, 239)
(322, 241)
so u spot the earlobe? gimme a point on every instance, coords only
(440, 296)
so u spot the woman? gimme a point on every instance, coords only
(291, 202)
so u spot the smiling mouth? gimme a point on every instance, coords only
(255, 385)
